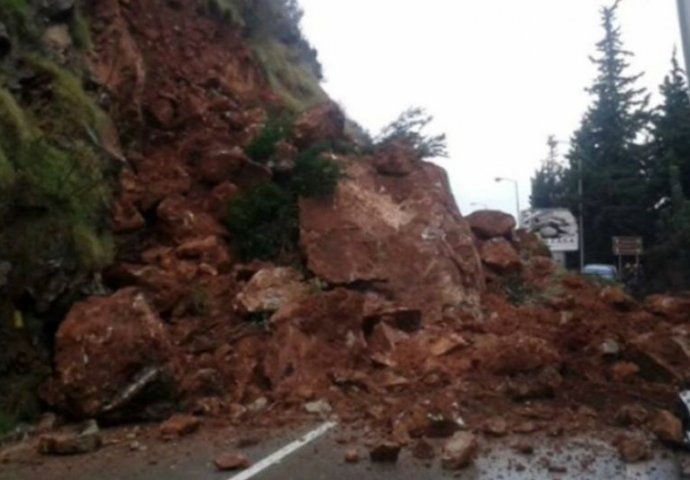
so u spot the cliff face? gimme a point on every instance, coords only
(194, 217)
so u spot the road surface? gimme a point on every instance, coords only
(322, 459)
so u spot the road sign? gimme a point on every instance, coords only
(557, 227)
(628, 246)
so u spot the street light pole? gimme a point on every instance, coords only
(517, 196)
(684, 16)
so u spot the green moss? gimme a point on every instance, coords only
(16, 15)
(289, 75)
(15, 128)
(228, 10)
(94, 250)
(80, 30)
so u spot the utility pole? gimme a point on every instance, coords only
(582, 214)
(517, 196)
(684, 17)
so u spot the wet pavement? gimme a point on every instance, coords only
(322, 459)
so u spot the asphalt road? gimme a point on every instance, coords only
(322, 459)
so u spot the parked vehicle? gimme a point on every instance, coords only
(601, 271)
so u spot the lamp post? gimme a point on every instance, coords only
(517, 196)
(684, 16)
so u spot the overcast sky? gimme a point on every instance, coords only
(499, 76)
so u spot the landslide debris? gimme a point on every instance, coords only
(375, 300)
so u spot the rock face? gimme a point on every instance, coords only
(668, 428)
(402, 234)
(101, 347)
(488, 224)
(322, 123)
(270, 288)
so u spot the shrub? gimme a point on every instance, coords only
(409, 127)
(263, 222)
(276, 128)
(315, 175)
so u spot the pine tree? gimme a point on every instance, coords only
(669, 184)
(606, 153)
(547, 183)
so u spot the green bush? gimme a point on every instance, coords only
(315, 175)
(276, 128)
(410, 128)
(263, 222)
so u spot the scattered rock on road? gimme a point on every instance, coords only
(318, 407)
(87, 440)
(634, 448)
(667, 427)
(352, 456)
(231, 461)
(423, 450)
(179, 426)
(459, 451)
(385, 452)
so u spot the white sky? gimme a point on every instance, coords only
(499, 76)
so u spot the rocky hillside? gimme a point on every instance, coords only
(190, 226)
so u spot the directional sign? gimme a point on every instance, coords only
(557, 227)
(628, 246)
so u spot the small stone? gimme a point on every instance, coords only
(667, 427)
(459, 451)
(524, 448)
(352, 456)
(179, 426)
(257, 405)
(496, 426)
(319, 407)
(631, 415)
(385, 452)
(423, 450)
(610, 347)
(231, 461)
(634, 448)
(72, 443)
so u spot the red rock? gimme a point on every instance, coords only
(321, 123)
(385, 452)
(500, 255)
(352, 456)
(616, 297)
(216, 204)
(676, 309)
(634, 448)
(156, 177)
(178, 221)
(163, 111)
(496, 427)
(68, 444)
(632, 415)
(460, 451)
(218, 164)
(283, 159)
(396, 159)
(517, 353)
(180, 426)
(447, 344)
(668, 428)
(623, 371)
(488, 224)
(125, 217)
(164, 287)
(231, 461)
(102, 344)
(530, 245)
(271, 288)
(211, 250)
(661, 356)
(374, 222)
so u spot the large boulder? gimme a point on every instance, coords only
(321, 123)
(271, 288)
(402, 234)
(499, 255)
(102, 348)
(396, 159)
(491, 223)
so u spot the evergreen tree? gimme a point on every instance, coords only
(605, 152)
(547, 183)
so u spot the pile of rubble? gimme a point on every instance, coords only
(404, 319)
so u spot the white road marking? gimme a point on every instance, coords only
(288, 449)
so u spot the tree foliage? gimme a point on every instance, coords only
(547, 188)
(410, 127)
